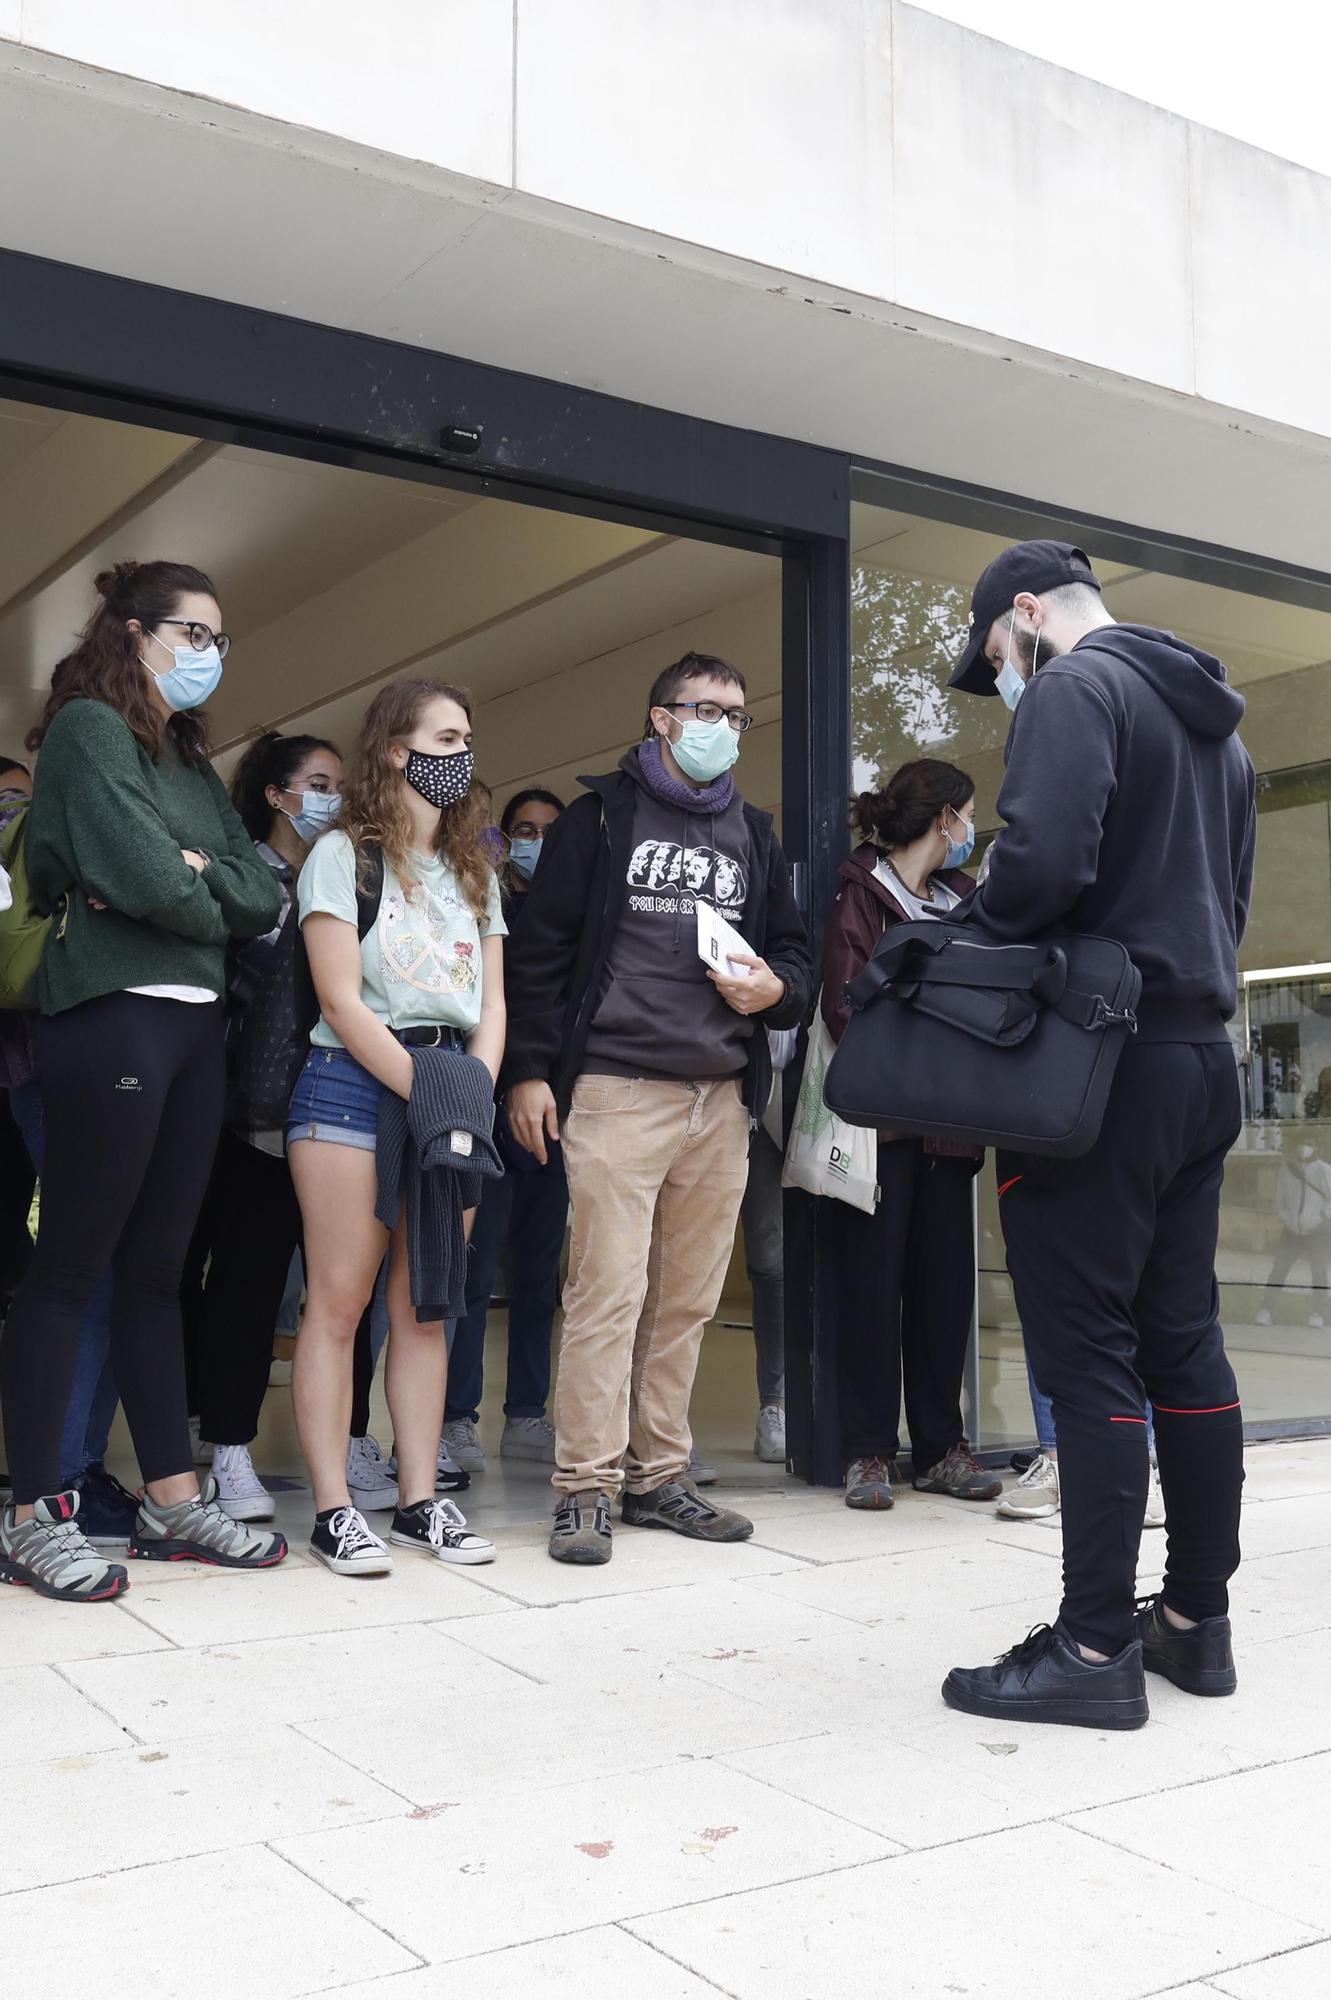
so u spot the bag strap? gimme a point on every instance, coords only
(997, 968)
(918, 959)
(371, 894)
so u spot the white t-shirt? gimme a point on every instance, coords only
(421, 962)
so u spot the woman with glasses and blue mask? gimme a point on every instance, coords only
(526, 1213)
(135, 849)
(905, 1274)
(287, 790)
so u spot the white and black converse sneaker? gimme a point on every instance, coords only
(439, 1528)
(344, 1542)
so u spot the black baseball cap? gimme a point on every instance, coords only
(1032, 566)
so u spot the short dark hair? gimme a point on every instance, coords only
(909, 801)
(671, 682)
(13, 764)
(534, 795)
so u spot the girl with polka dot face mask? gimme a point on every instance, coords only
(442, 780)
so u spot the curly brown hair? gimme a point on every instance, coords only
(374, 811)
(105, 664)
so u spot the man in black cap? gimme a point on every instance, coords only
(1129, 813)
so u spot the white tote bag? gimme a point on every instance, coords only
(825, 1155)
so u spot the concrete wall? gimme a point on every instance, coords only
(863, 146)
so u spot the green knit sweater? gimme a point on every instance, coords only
(108, 822)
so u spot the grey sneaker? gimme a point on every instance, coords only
(200, 1530)
(961, 1476)
(679, 1505)
(700, 1472)
(464, 1444)
(1154, 1516)
(869, 1485)
(582, 1532)
(1035, 1497)
(528, 1437)
(371, 1485)
(50, 1554)
(769, 1443)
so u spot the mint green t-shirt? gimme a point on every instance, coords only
(421, 962)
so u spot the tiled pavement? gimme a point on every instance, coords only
(699, 1772)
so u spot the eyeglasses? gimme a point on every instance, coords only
(524, 830)
(201, 636)
(711, 711)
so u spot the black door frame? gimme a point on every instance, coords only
(112, 347)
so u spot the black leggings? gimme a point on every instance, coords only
(905, 1296)
(132, 1091)
(247, 1234)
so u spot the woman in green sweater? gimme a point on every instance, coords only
(135, 848)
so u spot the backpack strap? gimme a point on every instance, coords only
(370, 892)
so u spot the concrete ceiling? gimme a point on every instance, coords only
(334, 581)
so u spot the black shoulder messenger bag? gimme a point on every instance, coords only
(956, 1036)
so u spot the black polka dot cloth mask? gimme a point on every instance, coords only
(444, 781)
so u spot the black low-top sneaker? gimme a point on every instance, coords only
(680, 1506)
(1200, 1660)
(439, 1528)
(1045, 1679)
(344, 1542)
(582, 1531)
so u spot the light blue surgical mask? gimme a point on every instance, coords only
(1009, 681)
(192, 680)
(524, 854)
(960, 851)
(706, 749)
(317, 812)
(1009, 684)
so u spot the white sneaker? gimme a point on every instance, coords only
(528, 1437)
(347, 1545)
(1263, 1317)
(1316, 1320)
(464, 1444)
(1154, 1517)
(439, 1528)
(203, 1452)
(1035, 1497)
(240, 1491)
(369, 1481)
(769, 1442)
(279, 1372)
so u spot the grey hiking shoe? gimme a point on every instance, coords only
(582, 1532)
(52, 1556)
(961, 1476)
(680, 1506)
(869, 1485)
(199, 1530)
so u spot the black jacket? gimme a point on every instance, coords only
(1130, 813)
(556, 963)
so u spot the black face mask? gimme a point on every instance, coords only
(443, 781)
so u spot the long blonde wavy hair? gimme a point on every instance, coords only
(374, 811)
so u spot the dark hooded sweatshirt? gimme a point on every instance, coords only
(659, 1014)
(1130, 814)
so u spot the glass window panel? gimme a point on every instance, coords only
(911, 580)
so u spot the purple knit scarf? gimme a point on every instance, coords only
(713, 798)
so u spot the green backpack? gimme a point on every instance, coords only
(22, 932)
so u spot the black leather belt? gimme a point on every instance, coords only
(429, 1038)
